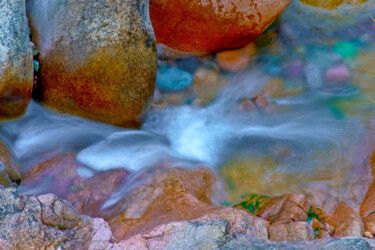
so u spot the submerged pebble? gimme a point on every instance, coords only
(173, 79)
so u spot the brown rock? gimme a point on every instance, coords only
(236, 60)
(207, 26)
(87, 195)
(97, 58)
(346, 222)
(16, 60)
(285, 209)
(368, 204)
(369, 225)
(178, 195)
(294, 231)
(10, 171)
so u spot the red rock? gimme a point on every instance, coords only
(286, 208)
(207, 26)
(178, 195)
(368, 204)
(346, 222)
(236, 60)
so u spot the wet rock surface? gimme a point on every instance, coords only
(178, 195)
(60, 173)
(97, 58)
(222, 24)
(10, 171)
(16, 60)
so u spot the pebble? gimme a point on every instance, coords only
(174, 79)
(338, 74)
(345, 49)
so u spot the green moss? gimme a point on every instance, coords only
(311, 215)
(253, 203)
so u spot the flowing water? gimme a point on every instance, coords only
(315, 135)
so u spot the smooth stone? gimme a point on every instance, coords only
(174, 79)
(338, 74)
(209, 26)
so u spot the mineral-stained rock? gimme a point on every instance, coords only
(207, 26)
(346, 221)
(16, 60)
(293, 231)
(368, 204)
(178, 195)
(369, 224)
(97, 58)
(331, 4)
(285, 208)
(10, 172)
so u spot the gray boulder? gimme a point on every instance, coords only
(16, 60)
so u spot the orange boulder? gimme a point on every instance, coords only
(207, 26)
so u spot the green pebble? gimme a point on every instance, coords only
(346, 49)
(36, 65)
(174, 79)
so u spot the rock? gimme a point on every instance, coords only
(293, 231)
(16, 60)
(369, 225)
(97, 58)
(23, 226)
(10, 171)
(236, 60)
(174, 79)
(338, 74)
(196, 26)
(177, 195)
(331, 4)
(207, 83)
(346, 222)
(368, 204)
(59, 176)
(346, 49)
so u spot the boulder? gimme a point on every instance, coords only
(31, 222)
(97, 58)
(368, 204)
(10, 171)
(207, 26)
(178, 195)
(294, 231)
(16, 60)
(346, 222)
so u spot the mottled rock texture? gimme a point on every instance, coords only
(97, 58)
(179, 195)
(213, 25)
(16, 60)
(10, 171)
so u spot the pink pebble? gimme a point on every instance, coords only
(338, 74)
